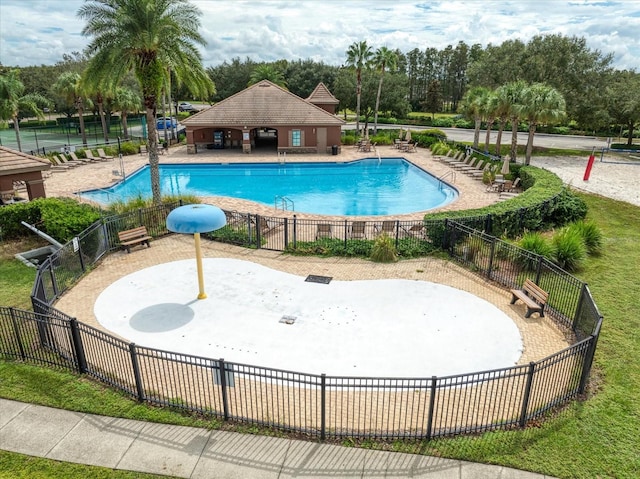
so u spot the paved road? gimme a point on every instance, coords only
(541, 139)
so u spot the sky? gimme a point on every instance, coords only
(36, 32)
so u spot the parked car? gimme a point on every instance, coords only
(166, 122)
(184, 106)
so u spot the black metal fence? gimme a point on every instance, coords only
(317, 405)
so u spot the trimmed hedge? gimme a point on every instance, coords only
(60, 218)
(545, 203)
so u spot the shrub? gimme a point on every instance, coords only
(383, 250)
(570, 250)
(591, 235)
(534, 242)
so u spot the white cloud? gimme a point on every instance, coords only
(40, 31)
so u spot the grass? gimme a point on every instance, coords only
(594, 438)
(16, 279)
(19, 466)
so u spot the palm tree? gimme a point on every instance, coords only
(358, 57)
(267, 72)
(12, 101)
(489, 109)
(146, 37)
(383, 59)
(473, 102)
(126, 101)
(541, 104)
(513, 97)
(502, 106)
(68, 87)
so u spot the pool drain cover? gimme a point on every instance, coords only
(312, 278)
(288, 319)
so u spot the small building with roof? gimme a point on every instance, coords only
(20, 168)
(266, 116)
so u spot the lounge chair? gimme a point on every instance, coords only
(476, 168)
(513, 187)
(469, 166)
(416, 231)
(387, 227)
(454, 159)
(324, 231)
(89, 155)
(466, 162)
(64, 161)
(358, 230)
(411, 148)
(103, 155)
(143, 149)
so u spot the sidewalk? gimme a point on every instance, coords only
(201, 454)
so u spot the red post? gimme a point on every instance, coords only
(592, 158)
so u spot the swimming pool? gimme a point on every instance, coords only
(389, 186)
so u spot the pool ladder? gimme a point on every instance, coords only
(283, 203)
(448, 173)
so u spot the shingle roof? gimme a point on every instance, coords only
(263, 104)
(322, 96)
(14, 162)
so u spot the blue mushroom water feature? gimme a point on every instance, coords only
(196, 219)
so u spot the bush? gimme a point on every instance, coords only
(534, 242)
(383, 250)
(590, 234)
(570, 250)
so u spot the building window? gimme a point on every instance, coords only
(295, 138)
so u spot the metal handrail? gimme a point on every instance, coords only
(284, 203)
(448, 173)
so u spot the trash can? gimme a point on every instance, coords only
(334, 150)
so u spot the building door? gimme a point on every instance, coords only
(322, 140)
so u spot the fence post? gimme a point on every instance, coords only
(432, 402)
(54, 284)
(527, 394)
(295, 231)
(17, 330)
(588, 359)
(258, 233)
(80, 256)
(77, 346)
(397, 228)
(487, 224)
(286, 233)
(491, 255)
(136, 371)
(346, 228)
(576, 316)
(323, 406)
(140, 216)
(539, 269)
(223, 386)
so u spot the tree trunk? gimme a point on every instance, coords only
(16, 127)
(532, 132)
(358, 93)
(375, 115)
(476, 133)
(125, 129)
(83, 132)
(514, 139)
(154, 160)
(630, 136)
(501, 124)
(487, 139)
(103, 121)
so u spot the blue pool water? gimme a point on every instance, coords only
(391, 186)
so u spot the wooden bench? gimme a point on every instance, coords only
(532, 296)
(132, 237)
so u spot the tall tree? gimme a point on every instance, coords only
(267, 72)
(502, 107)
(358, 57)
(13, 100)
(623, 94)
(148, 37)
(541, 104)
(473, 104)
(68, 87)
(433, 102)
(489, 109)
(383, 60)
(127, 101)
(513, 93)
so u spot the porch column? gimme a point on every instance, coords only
(246, 140)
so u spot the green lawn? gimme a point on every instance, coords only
(594, 438)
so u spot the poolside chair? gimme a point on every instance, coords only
(411, 148)
(469, 166)
(266, 226)
(63, 161)
(454, 159)
(476, 168)
(387, 227)
(103, 155)
(358, 230)
(466, 162)
(479, 175)
(417, 231)
(143, 149)
(513, 187)
(89, 154)
(324, 231)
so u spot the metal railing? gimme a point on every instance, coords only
(317, 405)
